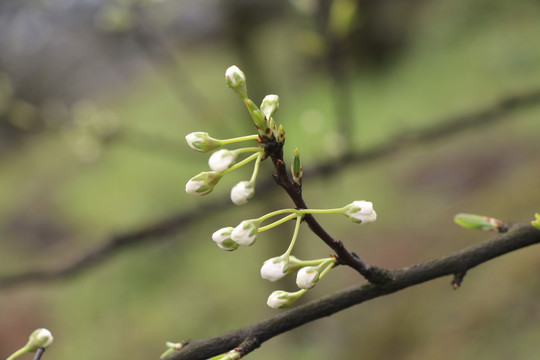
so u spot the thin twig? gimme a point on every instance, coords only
(252, 336)
(39, 353)
(164, 228)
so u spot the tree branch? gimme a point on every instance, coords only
(251, 337)
(164, 228)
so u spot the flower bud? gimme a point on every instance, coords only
(280, 299)
(221, 160)
(361, 212)
(222, 237)
(246, 232)
(270, 105)
(307, 277)
(39, 338)
(274, 269)
(281, 134)
(203, 183)
(202, 142)
(242, 192)
(236, 80)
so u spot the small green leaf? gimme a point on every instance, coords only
(536, 223)
(479, 222)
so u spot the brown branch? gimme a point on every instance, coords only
(175, 224)
(251, 337)
(344, 257)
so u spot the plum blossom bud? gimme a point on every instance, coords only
(246, 232)
(242, 192)
(280, 299)
(270, 105)
(361, 212)
(236, 80)
(274, 269)
(203, 183)
(202, 142)
(222, 237)
(39, 338)
(307, 277)
(221, 160)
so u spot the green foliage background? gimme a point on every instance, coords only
(463, 56)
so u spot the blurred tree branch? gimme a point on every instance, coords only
(175, 224)
(251, 337)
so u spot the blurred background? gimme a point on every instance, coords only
(96, 97)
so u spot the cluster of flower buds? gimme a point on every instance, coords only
(307, 273)
(224, 160)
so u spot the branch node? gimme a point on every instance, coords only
(458, 279)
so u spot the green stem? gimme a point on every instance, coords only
(330, 263)
(241, 163)
(295, 235)
(17, 353)
(279, 222)
(277, 212)
(256, 167)
(239, 139)
(318, 262)
(322, 211)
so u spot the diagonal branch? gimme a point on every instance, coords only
(251, 337)
(175, 224)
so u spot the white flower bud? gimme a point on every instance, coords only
(39, 338)
(361, 212)
(222, 237)
(236, 80)
(242, 192)
(280, 299)
(203, 183)
(246, 232)
(221, 160)
(307, 277)
(270, 105)
(202, 142)
(274, 269)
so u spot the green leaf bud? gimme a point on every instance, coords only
(536, 223)
(281, 134)
(296, 168)
(479, 222)
(258, 118)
